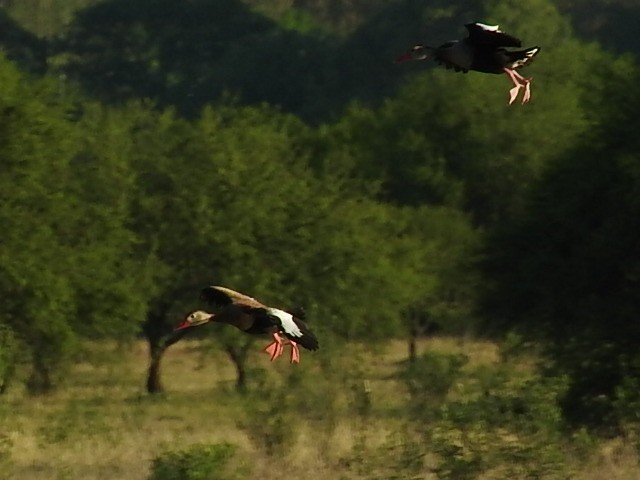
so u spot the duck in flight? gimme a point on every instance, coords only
(483, 51)
(253, 317)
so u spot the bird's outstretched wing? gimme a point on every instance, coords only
(222, 296)
(490, 35)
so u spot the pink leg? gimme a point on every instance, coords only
(527, 86)
(518, 81)
(513, 93)
(295, 352)
(275, 348)
(527, 93)
(519, 77)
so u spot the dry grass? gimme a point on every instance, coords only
(614, 460)
(103, 426)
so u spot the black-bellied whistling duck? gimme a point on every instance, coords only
(483, 51)
(251, 316)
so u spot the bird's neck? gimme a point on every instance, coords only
(458, 53)
(423, 53)
(236, 317)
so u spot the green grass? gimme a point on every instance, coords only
(347, 422)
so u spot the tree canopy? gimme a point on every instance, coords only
(64, 214)
(151, 148)
(567, 269)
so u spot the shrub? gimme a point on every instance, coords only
(6, 444)
(267, 420)
(8, 353)
(198, 462)
(429, 379)
(513, 429)
(77, 418)
(627, 408)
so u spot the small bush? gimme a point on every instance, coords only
(429, 379)
(6, 444)
(268, 422)
(400, 457)
(198, 462)
(515, 429)
(513, 346)
(78, 417)
(8, 354)
(627, 409)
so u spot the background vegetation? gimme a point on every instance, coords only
(150, 148)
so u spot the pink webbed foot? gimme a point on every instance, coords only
(513, 93)
(275, 348)
(295, 352)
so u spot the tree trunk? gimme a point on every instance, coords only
(40, 379)
(7, 358)
(238, 356)
(241, 379)
(154, 381)
(413, 338)
(157, 347)
(159, 337)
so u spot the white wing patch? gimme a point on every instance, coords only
(528, 56)
(286, 322)
(489, 28)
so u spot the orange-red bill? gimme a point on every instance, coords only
(405, 57)
(181, 325)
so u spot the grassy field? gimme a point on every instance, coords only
(103, 426)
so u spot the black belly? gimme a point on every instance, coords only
(262, 325)
(489, 61)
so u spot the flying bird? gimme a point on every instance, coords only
(253, 317)
(483, 51)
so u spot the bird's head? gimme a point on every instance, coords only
(194, 319)
(417, 52)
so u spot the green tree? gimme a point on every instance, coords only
(213, 201)
(21, 46)
(44, 18)
(187, 55)
(234, 201)
(612, 23)
(450, 139)
(66, 260)
(567, 269)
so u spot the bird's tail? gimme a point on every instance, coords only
(418, 52)
(308, 340)
(521, 58)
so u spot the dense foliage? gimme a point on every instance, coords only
(568, 268)
(273, 147)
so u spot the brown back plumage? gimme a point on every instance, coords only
(239, 310)
(222, 296)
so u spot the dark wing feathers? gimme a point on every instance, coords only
(215, 297)
(308, 339)
(480, 34)
(263, 322)
(222, 296)
(297, 312)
